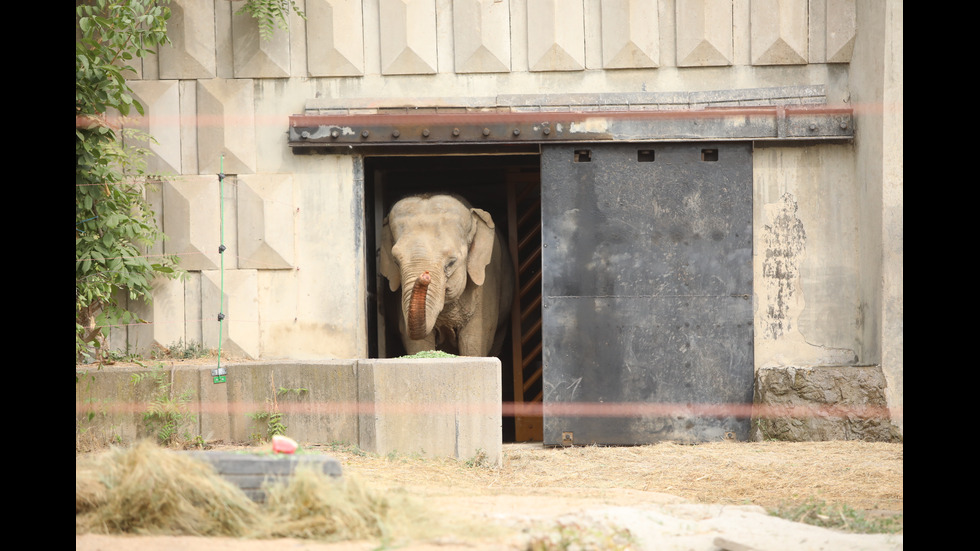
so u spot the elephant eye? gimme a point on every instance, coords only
(450, 264)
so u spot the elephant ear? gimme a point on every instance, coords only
(481, 245)
(389, 268)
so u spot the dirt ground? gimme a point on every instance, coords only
(667, 496)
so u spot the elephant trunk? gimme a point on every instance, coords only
(416, 307)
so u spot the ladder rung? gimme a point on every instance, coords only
(531, 356)
(530, 380)
(532, 331)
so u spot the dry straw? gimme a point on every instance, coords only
(150, 490)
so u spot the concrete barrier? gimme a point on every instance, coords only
(444, 407)
(447, 407)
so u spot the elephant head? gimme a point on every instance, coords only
(437, 249)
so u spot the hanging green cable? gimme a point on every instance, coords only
(219, 374)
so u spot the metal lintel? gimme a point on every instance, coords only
(494, 127)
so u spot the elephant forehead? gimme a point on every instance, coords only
(432, 205)
(428, 244)
(430, 224)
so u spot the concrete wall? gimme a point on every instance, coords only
(431, 407)
(828, 229)
(807, 265)
(878, 94)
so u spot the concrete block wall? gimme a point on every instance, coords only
(218, 97)
(431, 407)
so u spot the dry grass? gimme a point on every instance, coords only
(147, 490)
(312, 507)
(863, 475)
(150, 490)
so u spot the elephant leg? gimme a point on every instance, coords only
(498, 341)
(476, 338)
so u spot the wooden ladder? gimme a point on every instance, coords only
(524, 215)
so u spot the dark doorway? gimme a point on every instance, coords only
(506, 186)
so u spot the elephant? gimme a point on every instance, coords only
(455, 274)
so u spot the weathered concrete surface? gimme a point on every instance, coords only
(434, 407)
(877, 77)
(437, 407)
(317, 400)
(822, 403)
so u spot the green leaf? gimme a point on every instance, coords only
(112, 219)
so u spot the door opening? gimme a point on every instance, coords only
(506, 186)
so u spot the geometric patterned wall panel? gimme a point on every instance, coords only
(481, 34)
(225, 126)
(630, 34)
(191, 32)
(779, 32)
(704, 33)
(266, 234)
(257, 57)
(841, 30)
(164, 317)
(556, 35)
(408, 36)
(161, 116)
(234, 294)
(192, 221)
(334, 38)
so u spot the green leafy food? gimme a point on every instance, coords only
(430, 354)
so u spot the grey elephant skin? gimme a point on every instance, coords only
(455, 274)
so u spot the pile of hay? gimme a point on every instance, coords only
(314, 507)
(146, 489)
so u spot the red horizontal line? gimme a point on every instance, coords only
(566, 409)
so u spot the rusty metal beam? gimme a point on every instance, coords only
(501, 128)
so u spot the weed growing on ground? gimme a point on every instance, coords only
(112, 356)
(576, 536)
(480, 459)
(273, 422)
(167, 415)
(176, 351)
(272, 417)
(839, 517)
(347, 447)
(181, 351)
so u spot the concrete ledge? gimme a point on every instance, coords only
(446, 407)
